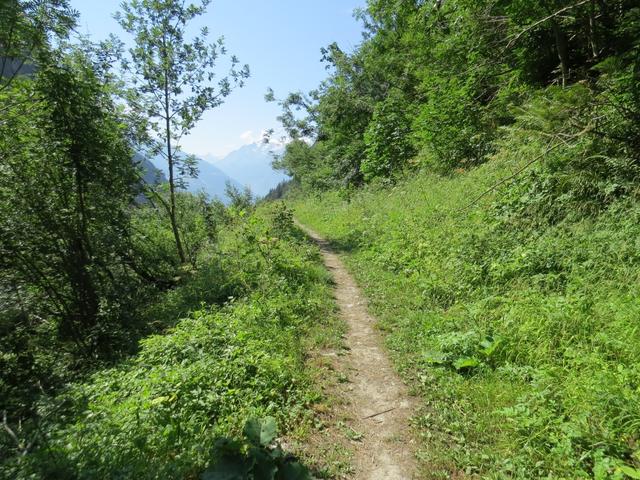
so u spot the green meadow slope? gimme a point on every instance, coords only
(521, 336)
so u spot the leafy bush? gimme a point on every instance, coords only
(388, 138)
(153, 241)
(307, 165)
(575, 169)
(160, 414)
(69, 297)
(454, 130)
(255, 457)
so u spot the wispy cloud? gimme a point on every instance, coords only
(251, 136)
(247, 137)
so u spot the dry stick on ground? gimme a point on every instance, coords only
(379, 413)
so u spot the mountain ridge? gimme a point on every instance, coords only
(252, 166)
(211, 180)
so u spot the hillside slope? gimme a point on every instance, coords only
(521, 337)
(150, 174)
(179, 405)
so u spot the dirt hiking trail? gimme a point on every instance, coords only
(374, 401)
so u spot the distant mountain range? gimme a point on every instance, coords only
(150, 174)
(248, 166)
(10, 67)
(211, 180)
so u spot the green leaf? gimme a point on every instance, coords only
(159, 400)
(435, 358)
(466, 363)
(264, 467)
(227, 468)
(261, 432)
(489, 347)
(630, 471)
(294, 471)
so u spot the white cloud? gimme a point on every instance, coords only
(250, 137)
(247, 136)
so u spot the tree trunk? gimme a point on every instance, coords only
(172, 186)
(84, 314)
(86, 304)
(563, 51)
(593, 41)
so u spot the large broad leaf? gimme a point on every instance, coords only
(630, 472)
(434, 358)
(490, 346)
(227, 468)
(466, 363)
(264, 466)
(294, 471)
(261, 432)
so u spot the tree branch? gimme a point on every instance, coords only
(559, 143)
(19, 443)
(535, 24)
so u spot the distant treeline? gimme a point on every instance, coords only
(439, 86)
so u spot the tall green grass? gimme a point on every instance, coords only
(523, 338)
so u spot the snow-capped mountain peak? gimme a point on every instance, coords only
(251, 165)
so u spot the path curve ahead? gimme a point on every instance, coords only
(377, 401)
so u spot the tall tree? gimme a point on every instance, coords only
(173, 81)
(66, 187)
(26, 30)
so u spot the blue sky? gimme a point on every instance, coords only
(279, 39)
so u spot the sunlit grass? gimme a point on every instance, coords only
(523, 341)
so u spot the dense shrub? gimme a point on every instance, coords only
(454, 131)
(573, 167)
(388, 141)
(161, 414)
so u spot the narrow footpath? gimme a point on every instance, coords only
(374, 400)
